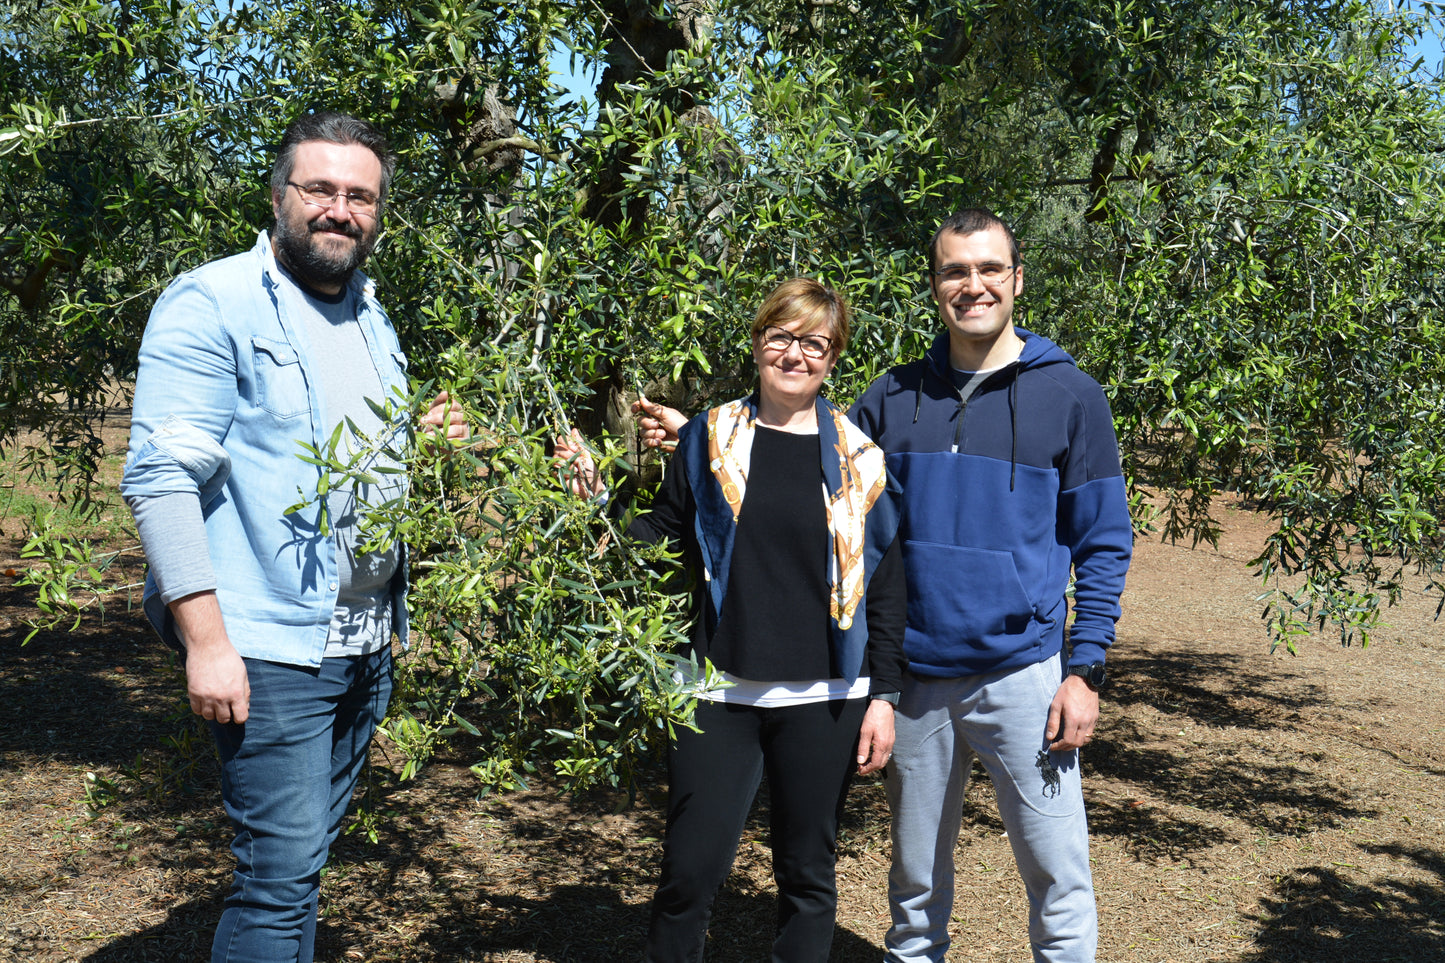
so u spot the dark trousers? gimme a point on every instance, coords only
(807, 752)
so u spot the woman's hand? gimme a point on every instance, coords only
(660, 424)
(575, 466)
(875, 738)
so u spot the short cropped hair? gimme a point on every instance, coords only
(336, 128)
(970, 221)
(810, 303)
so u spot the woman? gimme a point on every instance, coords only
(787, 512)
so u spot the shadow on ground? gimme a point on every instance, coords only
(95, 697)
(559, 883)
(1317, 913)
(1243, 780)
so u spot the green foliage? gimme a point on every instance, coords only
(540, 631)
(68, 544)
(68, 578)
(1265, 305)
(1231, 214)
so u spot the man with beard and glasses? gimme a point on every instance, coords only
(284, 624)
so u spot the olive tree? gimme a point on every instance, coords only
(1230, 213)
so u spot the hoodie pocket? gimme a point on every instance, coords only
(280, 382)
(965, 595)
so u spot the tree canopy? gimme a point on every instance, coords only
(1231, 215)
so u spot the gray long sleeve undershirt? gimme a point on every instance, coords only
(173, 533)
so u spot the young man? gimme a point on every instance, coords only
(1011, 480)
(286, 628)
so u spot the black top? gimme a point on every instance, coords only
(774, 623)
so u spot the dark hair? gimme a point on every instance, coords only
(336, 128)
(811, 303)
(970, 221)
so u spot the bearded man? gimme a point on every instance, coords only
(284, 624)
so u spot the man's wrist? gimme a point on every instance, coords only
(889, 697)
(1094, 674)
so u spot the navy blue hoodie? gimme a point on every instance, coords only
(1003, 496)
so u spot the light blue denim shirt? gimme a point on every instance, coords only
(225, 396)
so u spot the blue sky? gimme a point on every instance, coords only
(1428, 48)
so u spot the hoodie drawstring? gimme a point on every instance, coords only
(1013, 411)
(1013, 408)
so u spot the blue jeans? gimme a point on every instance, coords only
(287, 774)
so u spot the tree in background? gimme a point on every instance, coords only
(1231, 214)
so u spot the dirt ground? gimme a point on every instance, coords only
(1246, 806)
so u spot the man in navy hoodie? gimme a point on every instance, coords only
(1011, 481)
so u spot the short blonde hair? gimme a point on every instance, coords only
(810, 303)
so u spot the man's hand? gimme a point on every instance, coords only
(216, 680)
(217, 685)
(444, 419)
(875, 737)
(660, 424)
(1072, 715)
(575, 466)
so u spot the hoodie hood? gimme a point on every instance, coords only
(1038, 352)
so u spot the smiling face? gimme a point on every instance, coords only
(323, 246)
(977, 314)
(789, 378)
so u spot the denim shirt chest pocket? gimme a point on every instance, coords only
(280, 380)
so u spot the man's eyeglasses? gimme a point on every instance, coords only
(990, 273)
(324, 195)
(812, 345)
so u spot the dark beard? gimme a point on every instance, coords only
(301, 254)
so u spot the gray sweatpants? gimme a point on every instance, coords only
(941, 724)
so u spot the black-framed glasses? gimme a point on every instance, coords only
(989, 272)
(812, 345)
(324, 195)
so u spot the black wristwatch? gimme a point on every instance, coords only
(889, 697)
(1093, 674)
